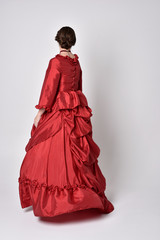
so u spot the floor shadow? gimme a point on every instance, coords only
(77, 216)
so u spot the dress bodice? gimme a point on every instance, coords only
(62, 82)
(70, 72)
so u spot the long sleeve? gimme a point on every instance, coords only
(50, 86)
(80, 81)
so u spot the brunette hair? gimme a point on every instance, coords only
(66, 37)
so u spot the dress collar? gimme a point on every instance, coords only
(72, 60)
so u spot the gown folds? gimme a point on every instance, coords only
(60, 172)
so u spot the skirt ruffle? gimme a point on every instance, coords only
(60, 171)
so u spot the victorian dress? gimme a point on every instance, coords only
(60, 172)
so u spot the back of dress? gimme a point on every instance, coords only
(63, 74)
(61, 90)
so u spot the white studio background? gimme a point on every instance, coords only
(119, 52)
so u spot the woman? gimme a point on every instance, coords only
(60, 172)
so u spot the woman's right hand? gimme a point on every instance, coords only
(36, 119)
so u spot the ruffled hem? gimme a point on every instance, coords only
(48, 109)
(52, 188)
(41, 196)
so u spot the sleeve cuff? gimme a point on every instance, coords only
(43, 106)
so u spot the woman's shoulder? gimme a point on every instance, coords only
(54, 62)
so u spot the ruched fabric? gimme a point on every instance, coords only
(60, 171)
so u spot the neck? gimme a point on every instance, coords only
(64, 51)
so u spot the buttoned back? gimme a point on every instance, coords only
(70, 72)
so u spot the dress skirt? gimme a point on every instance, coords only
(60, 172)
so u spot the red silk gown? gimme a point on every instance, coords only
(60, 172)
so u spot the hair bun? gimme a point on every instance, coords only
(66, 37)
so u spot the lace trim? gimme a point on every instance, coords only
(43, 106)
